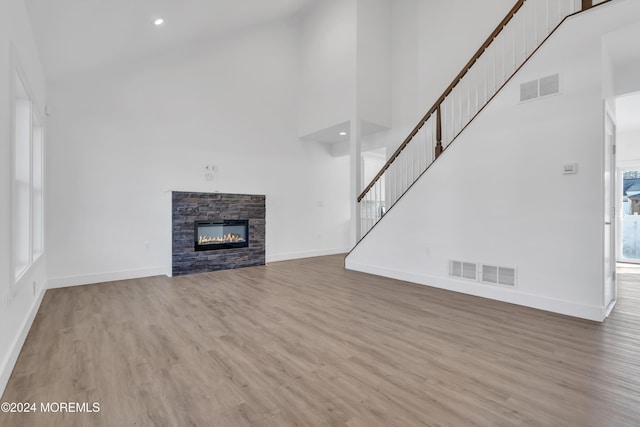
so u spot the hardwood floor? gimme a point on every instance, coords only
(307, 343)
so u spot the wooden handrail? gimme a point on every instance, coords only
(436, 107)
(587, 5)
(439, 148)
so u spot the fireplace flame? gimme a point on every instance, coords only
(227, 238)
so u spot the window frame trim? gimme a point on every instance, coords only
(16, 71)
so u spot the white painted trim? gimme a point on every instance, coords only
(627, 164)
(6, 368)
(89, 279)
(305, 254)
(478, 289)
(624, 260)
(610, 308)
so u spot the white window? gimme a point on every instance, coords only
(37, 180)
(22, 177)
(28, 182)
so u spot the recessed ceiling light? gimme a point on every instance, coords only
(343, 133)
(158, 21)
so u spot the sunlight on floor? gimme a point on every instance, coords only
(627, 268)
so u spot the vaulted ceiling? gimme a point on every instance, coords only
(77, 35)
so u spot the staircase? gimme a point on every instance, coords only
(519, 35)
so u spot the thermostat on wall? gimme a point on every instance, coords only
(570, 168)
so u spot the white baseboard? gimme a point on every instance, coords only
(512, 296)
(610, 308)
(304, 254)
(16, 346)
(89, 279)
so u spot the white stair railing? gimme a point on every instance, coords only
(525, 28)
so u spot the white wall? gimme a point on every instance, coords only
(608, 79)
(405, 73)
(18, 302)
(431, 40)
(624, 53)
(122, 136)
(626, 77)
(327, 46)
(498, 195)
(628, 149)
(449, 33)
(374, 61)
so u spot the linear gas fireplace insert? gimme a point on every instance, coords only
(221, 234)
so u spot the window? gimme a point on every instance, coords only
(22, 177)
(37, 162)
(28, 135)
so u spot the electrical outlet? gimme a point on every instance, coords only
(208, 172)
(34, 287)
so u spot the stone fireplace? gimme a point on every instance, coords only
(216, 231)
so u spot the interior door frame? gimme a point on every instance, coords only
(610, 151)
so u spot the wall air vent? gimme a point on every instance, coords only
(540, 88)
(463, 270)
(489, 274)
(498, 275)
(528, 91)
(550, 85)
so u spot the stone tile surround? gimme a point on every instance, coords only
(188, 207)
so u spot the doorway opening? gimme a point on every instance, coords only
(629, 215)
(628, 178)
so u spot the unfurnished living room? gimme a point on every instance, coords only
(320, 213)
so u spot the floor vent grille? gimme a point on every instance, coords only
(484, 273)
(496, 275)
(463, 270)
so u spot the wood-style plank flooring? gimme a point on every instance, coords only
(307, 343)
